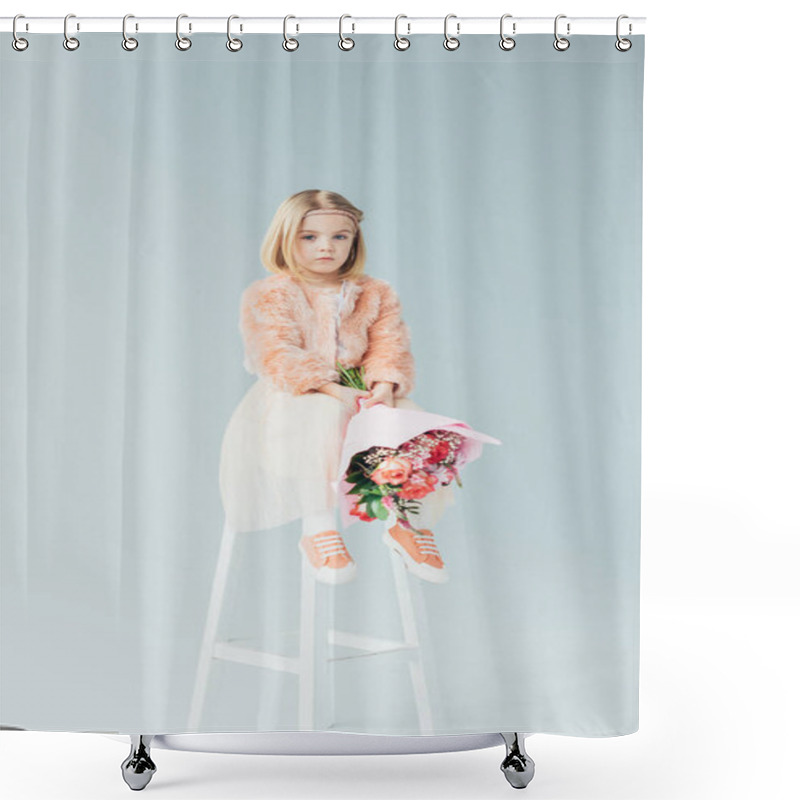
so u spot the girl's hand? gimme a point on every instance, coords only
(382, 392)
(349, 396)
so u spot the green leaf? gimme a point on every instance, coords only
(375, 507)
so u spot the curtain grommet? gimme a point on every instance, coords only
(17, 42)
(451, 42)
(400, 42)
(70, 42)
(507, 42)
(182, 42)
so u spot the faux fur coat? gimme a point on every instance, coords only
(290, 334)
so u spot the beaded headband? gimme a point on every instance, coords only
(332, 211)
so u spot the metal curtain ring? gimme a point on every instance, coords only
(182, 42)
(400, 42)
(233, 44)
(560, 43)
(70, 42)
(451, 42)
(128, 42)
(623, 44)
(507, 42)
(289, 43)
(345, 43)
(18, 43)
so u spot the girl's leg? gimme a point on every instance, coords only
(321, 521)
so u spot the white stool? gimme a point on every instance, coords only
(304, 664)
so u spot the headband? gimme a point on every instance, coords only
(332, 211)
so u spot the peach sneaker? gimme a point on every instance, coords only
(418, 551)
(325, 553)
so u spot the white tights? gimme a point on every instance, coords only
(320, 521)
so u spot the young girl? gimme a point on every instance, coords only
(281, 448)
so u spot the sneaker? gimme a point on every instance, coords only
(418, 551)
(325, 553)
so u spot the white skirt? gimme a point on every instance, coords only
(280, 454)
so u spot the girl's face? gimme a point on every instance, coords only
(323, 244)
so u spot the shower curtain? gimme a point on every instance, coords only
(175, 397)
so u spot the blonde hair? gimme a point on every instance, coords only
(276, 249)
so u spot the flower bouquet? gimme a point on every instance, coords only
(393, 457)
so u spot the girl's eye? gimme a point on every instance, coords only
(311, 236)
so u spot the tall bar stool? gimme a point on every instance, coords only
(304, 665)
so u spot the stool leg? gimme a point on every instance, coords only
(411, 637)
(305, 712)
(212, 623)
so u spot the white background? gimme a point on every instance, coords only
(720, 478)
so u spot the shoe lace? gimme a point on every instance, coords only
(329, 544)
(426, 544)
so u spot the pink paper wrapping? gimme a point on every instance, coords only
(380, 425)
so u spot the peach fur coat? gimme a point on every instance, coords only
(290, 339)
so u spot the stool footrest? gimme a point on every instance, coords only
(255, 658)
(370, 643)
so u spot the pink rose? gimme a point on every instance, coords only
(418, 485)
(392, 470)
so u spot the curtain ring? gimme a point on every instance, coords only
(18, 43)
(233, 44)
(128, 42)
(400, 42)
(451, 42)
(560, 43)
(70, 42)
(345, 43)
(289, 43)
(181, 42)
(623, 44)
(507, 42)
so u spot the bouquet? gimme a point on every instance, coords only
(394, 479)
(392, 458)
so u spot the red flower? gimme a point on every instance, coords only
(418, 485)
(356, 511)
(439, 453)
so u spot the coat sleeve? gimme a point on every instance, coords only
(273, 343)
(388, 356)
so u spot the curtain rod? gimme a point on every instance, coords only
(457, 26)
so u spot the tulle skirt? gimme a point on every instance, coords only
(280, 455)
